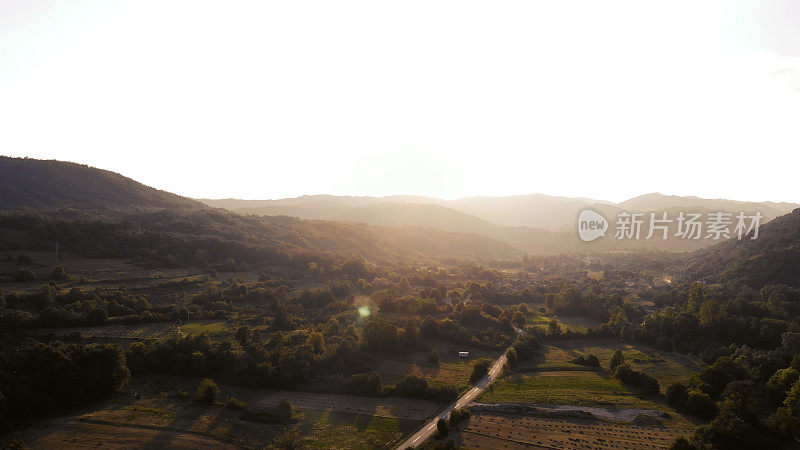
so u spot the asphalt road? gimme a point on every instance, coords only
(430, 428)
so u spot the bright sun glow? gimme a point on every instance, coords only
(275, 99)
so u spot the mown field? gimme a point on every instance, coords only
(162, 419)
(513, 431)
(582, 388)
(334, 430)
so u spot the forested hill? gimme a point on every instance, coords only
(169, 238)
(49, 184)
(772, 258)
(97, 213)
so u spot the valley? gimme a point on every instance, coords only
(152, 326)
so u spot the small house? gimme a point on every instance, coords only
(463, 354)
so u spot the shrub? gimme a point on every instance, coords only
(44, 297)
(589, 360)
(639, 379)
(519, 319)
(526, 346)
(24, 275)
(285, 410)
(681, 444)
(677, 394)
(317, 342)
(244, 335)
(433, 356)
(627, 375)
(617, 360)
(779, 384)
(283, 413)
(417, 387)
(649, 384)
(365, 384)
(443, 427)
(235, 403)
(480, 370)
(458, 416)
(553, 328)
(59, 273)
(700, 404)
(207, 391)
(17, 444)
(512, 357)
(96, 316)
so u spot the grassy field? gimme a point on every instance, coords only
(450, 370)
(81, 435)
(574, 323)
(335, 430)
(205, 327)
(666, 367)
(568, 388)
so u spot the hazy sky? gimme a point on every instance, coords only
(275, 99)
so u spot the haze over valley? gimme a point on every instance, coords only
(533, 222)
(433, 225)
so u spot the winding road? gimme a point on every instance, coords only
(430, 427)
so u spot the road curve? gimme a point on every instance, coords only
(430, 427)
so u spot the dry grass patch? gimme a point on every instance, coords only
(336, 430)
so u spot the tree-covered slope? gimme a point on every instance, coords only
(772, 258)
(41, 184)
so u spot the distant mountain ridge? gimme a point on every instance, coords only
(497, 225)
(656, 202)
(537, 211)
